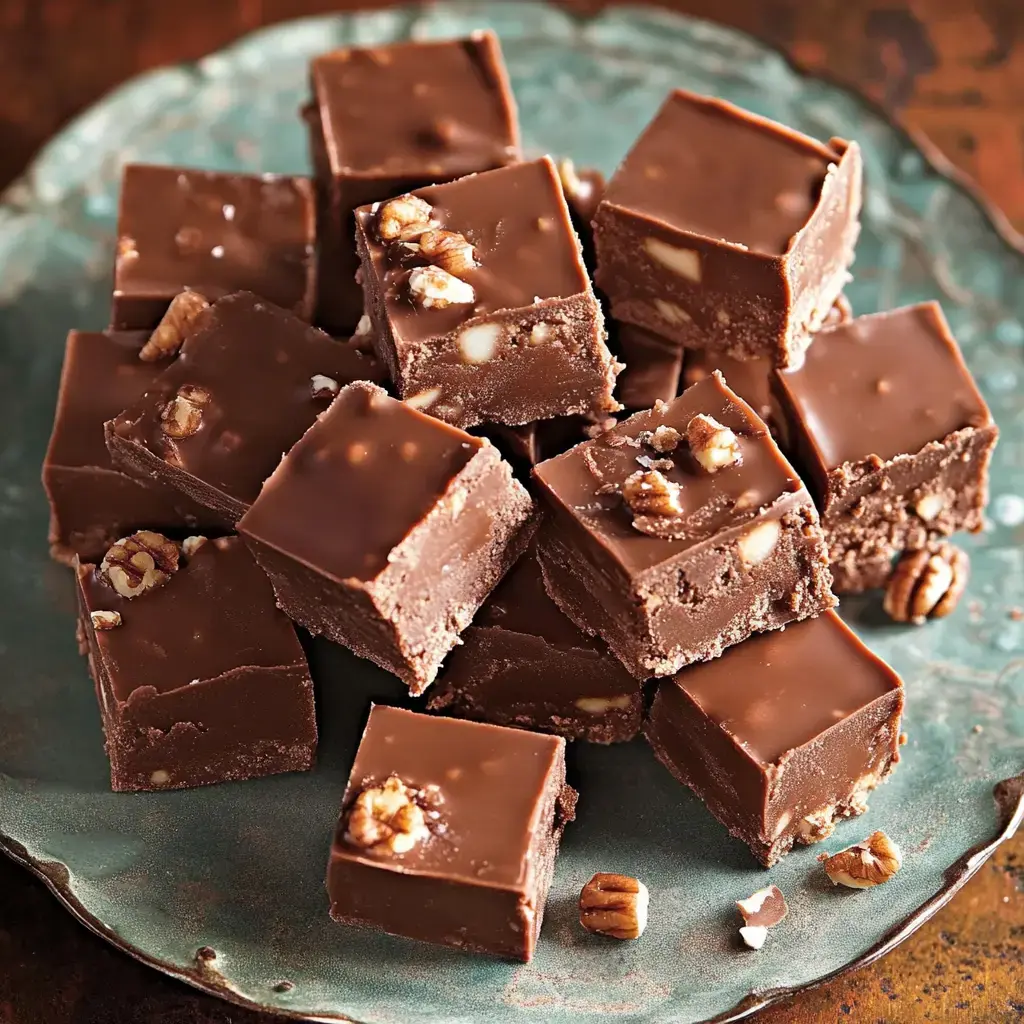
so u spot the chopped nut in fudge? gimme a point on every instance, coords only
(389, 119)
(200, 678)
(887, 427)
(480, 303)
(92, 502)
(728, 232)
(449, 832)
(214, 233)
(777, 757)
(385, 529)
(250, 379)
(671, 562)
(523, 663)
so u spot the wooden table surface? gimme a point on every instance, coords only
(952, 69)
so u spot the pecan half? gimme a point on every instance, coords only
(650, 493)
(614, 905)
(926, 584)
(139, 563)
(183, 414)
(175, 326)
(404, 219)
(389, 817)
(713, 444)
(448, 250)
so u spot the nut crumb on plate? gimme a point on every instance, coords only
(867, 864)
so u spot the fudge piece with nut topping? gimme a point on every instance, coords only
(728, 232)
(92, 502)
(215, 233)
(783, 736)
(200, 678)
(384, 529)
(681, 531)
(523, 663)
(388, 119)
(481, 306)
(449, 832)
(891, 434)
(250, 379)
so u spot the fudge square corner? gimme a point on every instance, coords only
(681, 531)
(449, 832)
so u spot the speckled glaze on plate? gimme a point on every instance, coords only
(223, 887)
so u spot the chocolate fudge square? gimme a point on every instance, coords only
(384, 529)
(671, 562)
(92, 503)
(784, 735)
(214, 233)
(481, 305)
(449, 832)
(728, 232)
(251, 377)
(892, 436)
(388, 119)
(523, 663)
(652, 367)
(199, 677)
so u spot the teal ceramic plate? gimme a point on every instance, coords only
(238, 868)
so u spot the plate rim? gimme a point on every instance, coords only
(1008, 794)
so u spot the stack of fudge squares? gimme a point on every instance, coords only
(384, 405)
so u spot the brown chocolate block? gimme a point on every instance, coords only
(725, 231)
(385, 529)
(449, 832)
(201, 679)
(777, 756)
(248, 382)
(523, 663)
(214, 233)
(892, 436)
(488, 317)
(91, 502)
(653, 366)
(668, 562)
(389, 119)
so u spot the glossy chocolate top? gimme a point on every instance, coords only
(492, 783)
(518, 223)
(397, 110)
(368, 471)
(215, 233)
(102, 375)
(652, 368)
(708, 167)
(749, 378)
(586, 482)
(520, 604)
(779, 690)
(256, 362)
(883, 385)
(215, 614)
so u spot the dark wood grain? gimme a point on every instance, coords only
(953, 69)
